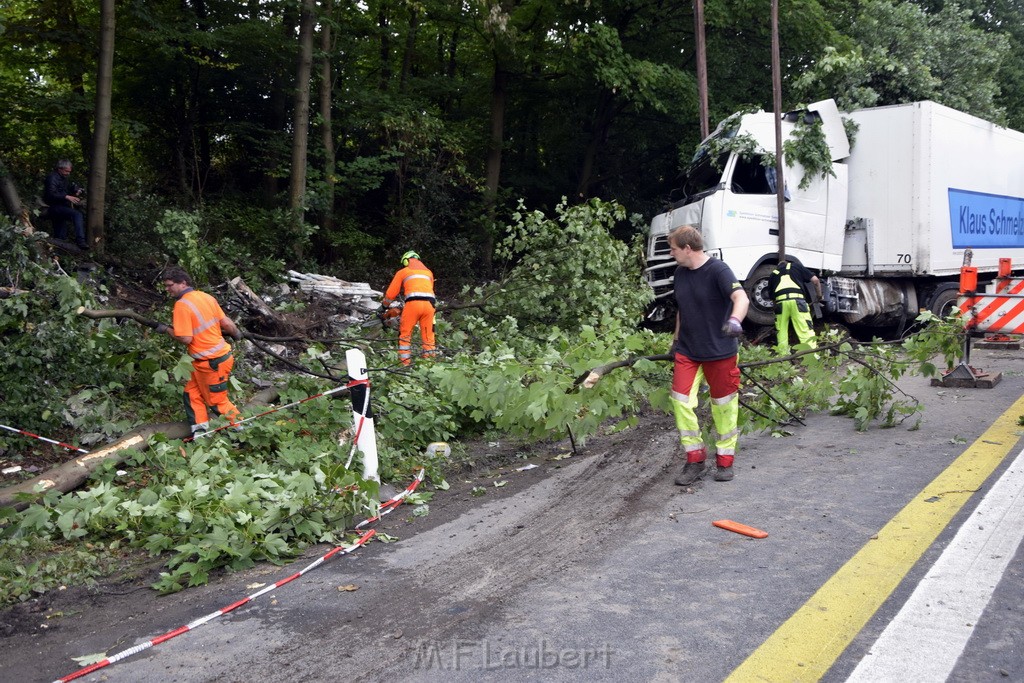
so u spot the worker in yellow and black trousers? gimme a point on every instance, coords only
(416, 283)
(787, 286)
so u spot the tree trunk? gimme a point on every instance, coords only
(384, 30)
(410, 48)
(9, 193)
(67, 24)
(72, 474)
(278, 110)
(446, 54)
(498, 98)
(300, 141)
(101, 135)
(497, 141)
(75, 472)
(607, 109)
(326, 128)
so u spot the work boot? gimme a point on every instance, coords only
(723, 473)
(692, 472)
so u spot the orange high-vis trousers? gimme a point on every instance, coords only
(208, 386)
(416, 312)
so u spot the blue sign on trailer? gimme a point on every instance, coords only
(985, 221)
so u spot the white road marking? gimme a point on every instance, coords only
(925, 639)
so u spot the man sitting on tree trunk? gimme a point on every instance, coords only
(63, 196)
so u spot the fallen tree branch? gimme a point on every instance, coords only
(254, 339)
(8, 292)
(291, 364)
(591, 377)
(70, 475)
(774, 400)
(73, 473)
(117, 313)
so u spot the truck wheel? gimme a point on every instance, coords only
(944, 300)
(762, 308)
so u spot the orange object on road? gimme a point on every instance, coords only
(730, 525)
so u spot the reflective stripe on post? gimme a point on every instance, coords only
(362, 416)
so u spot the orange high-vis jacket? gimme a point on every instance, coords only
(415, 281)
(197, 315)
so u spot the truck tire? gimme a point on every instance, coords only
(762, 308)
(944, 300)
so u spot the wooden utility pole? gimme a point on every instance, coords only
(780, 182)
(702, 66)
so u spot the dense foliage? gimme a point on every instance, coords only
(268, 492)
(433, 123)
(513, 357)
(431, 120)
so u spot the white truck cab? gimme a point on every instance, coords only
(886, 230)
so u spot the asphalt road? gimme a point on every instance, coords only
(597, 567)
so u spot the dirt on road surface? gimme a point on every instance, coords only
(594, 564)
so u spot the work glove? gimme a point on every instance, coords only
(161, 328)
(732, 327)
(237, 334)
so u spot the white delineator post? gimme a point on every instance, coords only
(366, 441)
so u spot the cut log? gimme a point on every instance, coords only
(72, 474)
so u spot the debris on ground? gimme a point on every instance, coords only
(358, 298)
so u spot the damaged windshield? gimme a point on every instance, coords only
(703, 177)
(704, 174)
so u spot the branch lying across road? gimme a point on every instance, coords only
(591, 377)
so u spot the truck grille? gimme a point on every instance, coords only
(660, 277)
(659, 249)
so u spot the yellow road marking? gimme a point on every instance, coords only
(809, 642)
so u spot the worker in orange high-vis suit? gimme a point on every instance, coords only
(415, 283)
(199, 323)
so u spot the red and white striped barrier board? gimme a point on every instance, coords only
(1000, 308)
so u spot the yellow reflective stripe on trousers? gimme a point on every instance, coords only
(683, 406)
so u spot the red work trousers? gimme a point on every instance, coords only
(208, 386)
(416, 312)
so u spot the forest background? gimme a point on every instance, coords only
(520, 147)
(333, 136)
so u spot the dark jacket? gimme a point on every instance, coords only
(56, 188)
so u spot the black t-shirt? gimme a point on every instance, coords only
(703, 297)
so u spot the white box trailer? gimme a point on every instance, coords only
(921, 185)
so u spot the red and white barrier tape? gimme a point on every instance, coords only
(385, 508)
(43, 438)
(237, 424)
(362, 419)
(394, 501)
